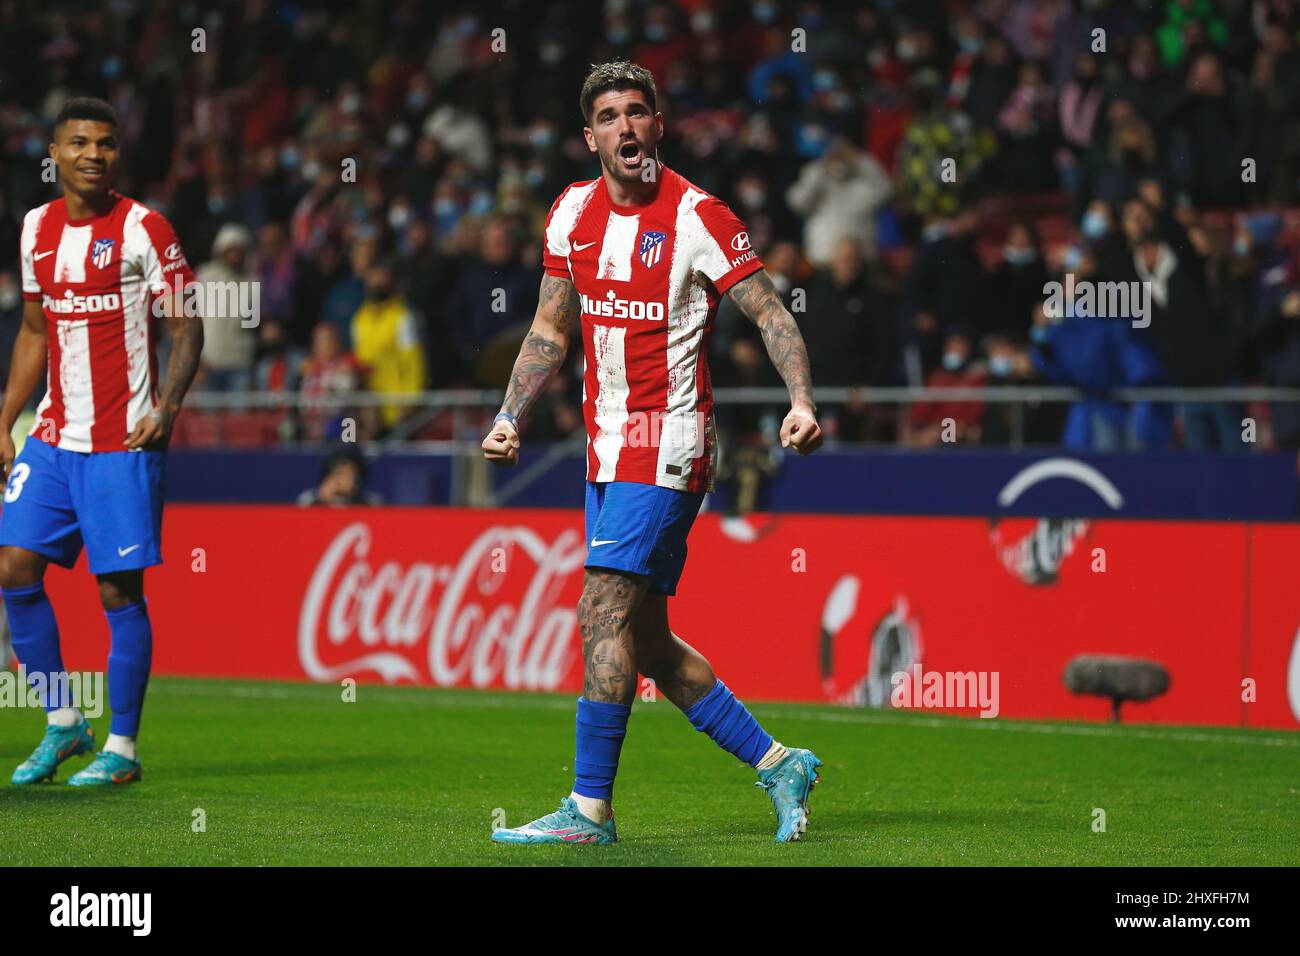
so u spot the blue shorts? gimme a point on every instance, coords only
(111, 500)
(640, 529)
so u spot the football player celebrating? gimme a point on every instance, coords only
(639, 259)
(97, 269)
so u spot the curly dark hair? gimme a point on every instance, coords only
(616, 75)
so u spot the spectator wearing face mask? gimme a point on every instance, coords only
(1102, 238)
(386, 340)
(1099, 355)
(1004, 423)
(759, 206)
(1013, 287)
(936, 422)
(940, 294)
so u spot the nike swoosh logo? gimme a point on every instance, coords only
(38, 256)
(579, 246)
(123, 552)
(597, 544)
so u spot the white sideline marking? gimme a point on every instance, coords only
(1029, 727)
(515, 699)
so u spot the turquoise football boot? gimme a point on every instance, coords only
(107, 768)
(565, 825)
(788, 784)
(58, 745)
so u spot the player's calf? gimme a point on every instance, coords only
(788, 775)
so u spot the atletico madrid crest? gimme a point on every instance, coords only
(101, 253)
(652, 247)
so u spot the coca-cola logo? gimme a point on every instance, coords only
(489, 617)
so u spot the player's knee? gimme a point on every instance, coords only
(119, 590)
(608, 600)
(651, 669)
(19, 568)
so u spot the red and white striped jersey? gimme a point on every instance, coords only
(650, 278)
(96, 280)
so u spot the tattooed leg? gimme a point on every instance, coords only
(609, 601)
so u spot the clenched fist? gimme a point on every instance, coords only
(501, 446)
(800, 431)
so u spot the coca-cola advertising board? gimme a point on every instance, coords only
(795, 608)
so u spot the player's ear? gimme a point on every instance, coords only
(590, 138)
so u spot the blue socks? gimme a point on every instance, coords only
(601, 729)
(730, 724)
(36, 638)
(129, 657)
(36, 642)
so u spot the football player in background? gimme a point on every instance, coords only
(639, 259)
(97, 269)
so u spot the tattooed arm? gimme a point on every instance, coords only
(155, 429)
(543, 351)
(762, 305)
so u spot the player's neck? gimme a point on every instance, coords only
(88, 207)
(636, 193)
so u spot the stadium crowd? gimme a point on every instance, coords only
(383, 170)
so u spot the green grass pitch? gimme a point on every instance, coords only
(289, 774)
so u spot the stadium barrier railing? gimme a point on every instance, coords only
(461, 408)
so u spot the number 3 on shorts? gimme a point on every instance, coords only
(16, 479)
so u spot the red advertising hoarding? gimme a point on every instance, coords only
(799, 608)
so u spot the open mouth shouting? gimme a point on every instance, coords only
(630, 154)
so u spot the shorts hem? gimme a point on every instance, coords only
(643, 572)
(657, 585)
(58, 559)
(116, 566)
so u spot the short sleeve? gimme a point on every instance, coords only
(555, 250)
(165, 264)
(723, 253)
(31, 286)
